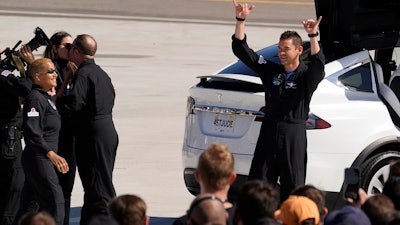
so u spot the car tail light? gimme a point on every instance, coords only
(189, 106)
(314, 122)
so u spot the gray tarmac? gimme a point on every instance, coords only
(152, 63)
(273, 11)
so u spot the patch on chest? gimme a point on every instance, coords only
(278, 79)
(52, 104)
(291, 85)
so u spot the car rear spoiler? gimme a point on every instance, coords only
(238, 77)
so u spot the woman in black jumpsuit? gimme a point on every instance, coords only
(58, 53)
(41, 127)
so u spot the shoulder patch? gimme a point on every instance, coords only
(261, 60)
(5, 73)
(33, 113)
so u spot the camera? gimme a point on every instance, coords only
(13, 60)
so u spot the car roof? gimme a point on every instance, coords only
(359, 24)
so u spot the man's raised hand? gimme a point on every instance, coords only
(242, 10)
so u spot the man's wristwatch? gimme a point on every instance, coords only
(313, 35)
(240, 19)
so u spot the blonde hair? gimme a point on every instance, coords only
(37, 66)
(215, 166)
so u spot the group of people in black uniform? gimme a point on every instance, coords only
(62, 109)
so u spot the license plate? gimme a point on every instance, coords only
(224, 123)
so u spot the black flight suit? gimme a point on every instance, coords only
(41, 128)
(66, 146)
(92, 100)
(11, 172)
(281, 149)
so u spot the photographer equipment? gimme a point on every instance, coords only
(13, 59)
(10, 135)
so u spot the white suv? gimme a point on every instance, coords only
(354, 116)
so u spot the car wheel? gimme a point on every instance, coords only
(375, 171)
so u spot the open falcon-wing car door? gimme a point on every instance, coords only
(353, 25)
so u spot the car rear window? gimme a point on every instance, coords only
(358, 79)
(270, 53)
(239, 67)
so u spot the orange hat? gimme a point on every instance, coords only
(296, 209)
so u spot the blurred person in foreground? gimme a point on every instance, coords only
(314, 194)
(207, 209)
(379, 209)
(348, 214)
(38, 218)
(396, 218)
(256, 203)
(129, 210)
(298, 210)
(102, 220)
(215, 174)
(392, 185)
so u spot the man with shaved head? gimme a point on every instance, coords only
(207, 209)
(91, 102)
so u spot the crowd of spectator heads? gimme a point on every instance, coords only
(258, 203)
(122, 210)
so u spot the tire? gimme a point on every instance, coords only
(375, 171)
